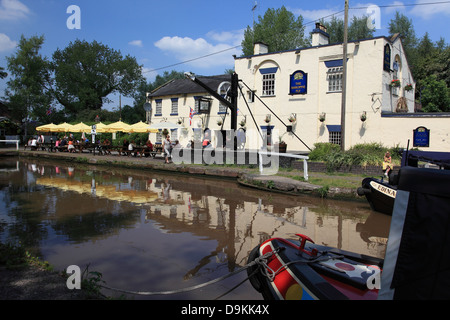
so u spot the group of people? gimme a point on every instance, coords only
(129, 148)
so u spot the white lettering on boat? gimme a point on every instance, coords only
(383, 189)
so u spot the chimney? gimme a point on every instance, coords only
(320, 36)
(260, 48)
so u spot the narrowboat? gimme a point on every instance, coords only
(415, 265)
(381, 194)
(301, 270)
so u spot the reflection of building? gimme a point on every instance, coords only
(248, 222)
(235, 220)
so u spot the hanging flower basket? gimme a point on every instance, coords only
(395, 83)
(267, 119)
(408, 87)
(363, 116)
(292, 119)
(322, 117)
(242, 123)
(219, 122)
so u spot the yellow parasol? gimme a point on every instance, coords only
(142, 127)
(63, 127)
(101, 127)
(46, 127)
(118, 126)
(81, 127)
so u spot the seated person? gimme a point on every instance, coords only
(106, 145)
(131, 148)
(71, 147)
(148, 148)
(387, 164)
(125, 146)
(34, 144)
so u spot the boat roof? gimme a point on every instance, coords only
(411, 157)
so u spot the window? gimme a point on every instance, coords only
(334, 76)
(268, 84)
(158, 108)
(174, 110)
(174, 134)
(251, 96)
(334, 134)
(335, 137)
(158, 137)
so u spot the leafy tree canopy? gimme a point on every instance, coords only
(86, 73)
(357, 29)
(28, 89)
(279, 29)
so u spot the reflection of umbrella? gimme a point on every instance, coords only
(63, 127)
(165, 125)
(110, 192)
(142, 127)
(81, 127)
(46, 127)
(118, 126)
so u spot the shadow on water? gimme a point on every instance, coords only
(147, 231)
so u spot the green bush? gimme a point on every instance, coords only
(361, 154)
(321, 151)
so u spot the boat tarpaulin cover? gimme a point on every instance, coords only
(412, 157)
(417, 261)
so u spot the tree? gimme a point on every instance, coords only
(86, 73)
(335, 29)
(144, 87)
(404, 26)
(278, 29)
(28, 89)
(357, 29)
(435, 96)
(3, 74)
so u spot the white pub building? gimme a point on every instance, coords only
(297, 94)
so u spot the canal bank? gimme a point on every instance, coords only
(286, 180)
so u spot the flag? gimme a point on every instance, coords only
(49, 111)
(191, 115)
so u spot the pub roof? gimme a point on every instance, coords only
(187, 86)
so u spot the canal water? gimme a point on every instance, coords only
(149, 231)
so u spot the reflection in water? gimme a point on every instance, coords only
(147, 231)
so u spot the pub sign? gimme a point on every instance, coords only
(298, 83)
(421, 137)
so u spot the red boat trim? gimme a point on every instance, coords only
(286, 285)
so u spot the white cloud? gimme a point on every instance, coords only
(199, 52)
(313, 15)
(395, 6)
(6, 43)
(430, 10)
(233, 37)
(136, 43)
(13, 10)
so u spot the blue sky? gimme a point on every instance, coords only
(175, 35)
